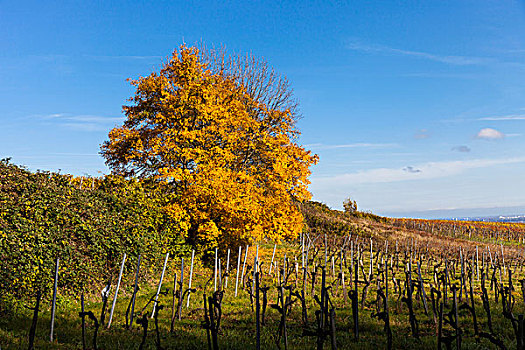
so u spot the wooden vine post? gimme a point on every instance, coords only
(54, 302)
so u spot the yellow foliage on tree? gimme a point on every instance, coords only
(232, 160)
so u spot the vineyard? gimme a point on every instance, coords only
(348, 283)
(200, 230)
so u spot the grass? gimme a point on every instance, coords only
(238, 321)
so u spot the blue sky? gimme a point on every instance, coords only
(413, 107)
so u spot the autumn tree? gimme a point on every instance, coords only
(229, 155)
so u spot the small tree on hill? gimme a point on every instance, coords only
(350, 206)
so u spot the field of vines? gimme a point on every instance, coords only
(410, 284)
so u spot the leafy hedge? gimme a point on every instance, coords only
(45, 215)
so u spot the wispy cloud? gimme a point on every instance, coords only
(67, 154)
(462, 149)
(322, 146)
(123, 57)
(504, 117)
(489, 134)
(84, 118)
(422, 134)
(57, 155)
(448, 59)
(429, 170)
(82, 122)
(54, 57)
(411, 169)
(441, 75)
(508, 117)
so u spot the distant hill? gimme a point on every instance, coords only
(490, 214)
(499, 218)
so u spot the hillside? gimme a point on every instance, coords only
(445, 235)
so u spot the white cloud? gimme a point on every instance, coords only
(431, 170)
(52, 116)
(449, 59)
(494, 182)
(490, 134)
